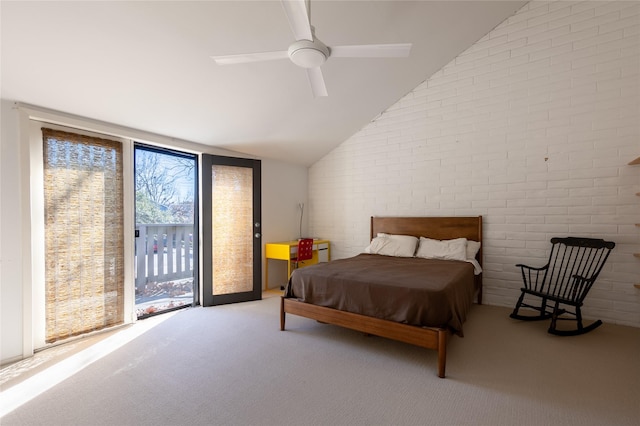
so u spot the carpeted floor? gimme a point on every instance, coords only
(232, 365)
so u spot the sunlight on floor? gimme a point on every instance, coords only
(33, 386)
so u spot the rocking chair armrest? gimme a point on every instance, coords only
(579, 288)
(520, 265)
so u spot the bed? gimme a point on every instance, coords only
(388, 296)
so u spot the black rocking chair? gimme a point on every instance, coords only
(574, 265)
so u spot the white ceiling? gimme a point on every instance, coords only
(147, 65)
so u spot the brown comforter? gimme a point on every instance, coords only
(422, 292)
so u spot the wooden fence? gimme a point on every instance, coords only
(164, 252)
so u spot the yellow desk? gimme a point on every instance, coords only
(285, 250)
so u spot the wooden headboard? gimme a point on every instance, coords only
(438, 228)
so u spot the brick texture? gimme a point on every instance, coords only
(531, 127)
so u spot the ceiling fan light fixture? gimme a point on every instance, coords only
(308, 54)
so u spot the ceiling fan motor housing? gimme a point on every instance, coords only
(308, 54)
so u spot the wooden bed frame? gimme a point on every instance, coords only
(440, 228)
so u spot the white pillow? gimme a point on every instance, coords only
(393, 245)
(472, 249)
(443, 249)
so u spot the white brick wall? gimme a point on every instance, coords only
(531, 127)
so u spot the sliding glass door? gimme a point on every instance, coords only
(231, 230)
(166, 233)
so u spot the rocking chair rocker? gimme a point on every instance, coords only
(574, 265)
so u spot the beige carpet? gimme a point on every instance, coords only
(231, 365)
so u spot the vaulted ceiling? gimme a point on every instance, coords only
(147, 65)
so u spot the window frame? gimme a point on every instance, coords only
(36, 320)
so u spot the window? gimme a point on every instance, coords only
(84, 233)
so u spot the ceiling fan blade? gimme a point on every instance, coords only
(317, 82)
(296, 11)
(250, 57)
(399, 50)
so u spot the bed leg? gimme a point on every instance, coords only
(442, 352)
(281, 313)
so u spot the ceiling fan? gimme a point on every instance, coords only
(309, 52)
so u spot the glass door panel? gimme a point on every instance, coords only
(232, 216)
(231, 228)
(166, 237)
